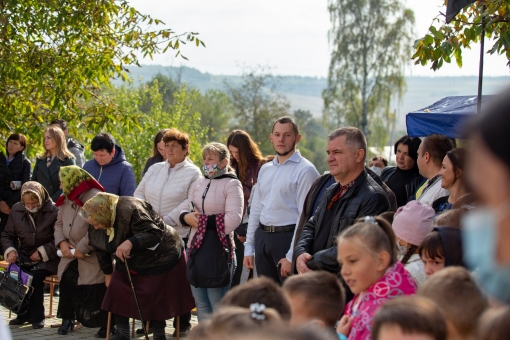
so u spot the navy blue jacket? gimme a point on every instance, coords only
(116, 177)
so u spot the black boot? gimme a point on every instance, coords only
(67, 327)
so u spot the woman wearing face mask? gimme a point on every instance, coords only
(15, 170)
(486, 231)
(411, 224)
(452, 173)
(158, 151)
(404, 179)
(166, 185)
(47, 166)
(28, 237)
(217, 202)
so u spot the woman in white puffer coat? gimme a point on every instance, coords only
(166, 185)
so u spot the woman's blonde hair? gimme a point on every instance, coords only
(219, 149)
(58, 136)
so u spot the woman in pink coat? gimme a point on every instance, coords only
(214, 206)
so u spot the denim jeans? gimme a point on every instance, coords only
(207, 299)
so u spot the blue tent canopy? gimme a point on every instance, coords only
(447, 116)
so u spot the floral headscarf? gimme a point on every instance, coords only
(75, 181)
(37, 189)
(102, 209)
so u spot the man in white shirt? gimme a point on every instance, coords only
(431, 153)
(277, 203)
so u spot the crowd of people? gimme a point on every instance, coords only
(266, 247)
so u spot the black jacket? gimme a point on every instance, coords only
(20, 233)
(365, 198)
(138, 222)
(19, 169)
(411, 187)
(49, 177)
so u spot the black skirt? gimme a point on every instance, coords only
(81, 302)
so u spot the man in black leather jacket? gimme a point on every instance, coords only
(356, 194)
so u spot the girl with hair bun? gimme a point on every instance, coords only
(367, 253)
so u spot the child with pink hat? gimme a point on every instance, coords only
(411, 224)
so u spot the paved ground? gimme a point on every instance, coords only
(26, 332)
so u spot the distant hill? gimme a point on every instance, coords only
(305, 92)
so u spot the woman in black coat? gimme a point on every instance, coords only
(15, 170)
(47, 167)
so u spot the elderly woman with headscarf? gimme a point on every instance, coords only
(28, 237)
(82, 283)
(130, 229)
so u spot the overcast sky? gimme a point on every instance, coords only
(290, 36)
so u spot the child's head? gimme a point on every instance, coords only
(315, 297)
(411, 224)
(450, 218)
(260, 290)
(229, 320)
(457, 294)
(365, 251)
(494, 324)
(441, 248)
(388, 216)
(409, 318)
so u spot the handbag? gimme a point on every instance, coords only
(14, 294)
(210, 265)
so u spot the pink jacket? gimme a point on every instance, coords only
(396, 282)
(225, 195)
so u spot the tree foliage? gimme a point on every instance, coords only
(137, 143)
(57, 56)
(445, 42)
(313, 143)
(371, 42)
(256, 105)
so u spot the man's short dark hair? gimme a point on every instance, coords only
(437, 146)
(353, 136)
(62, 123)
(261, 290)
(324, 293)
(287, 120)
(413, 315)
(103, 141)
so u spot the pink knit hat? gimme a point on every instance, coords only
(413, 222)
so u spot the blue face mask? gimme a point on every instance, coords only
(479, 238)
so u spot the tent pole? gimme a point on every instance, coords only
(480, 67)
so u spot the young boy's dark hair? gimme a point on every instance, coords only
(494, 324)
(388, 216)
(323, 293)
(457, 294)
(412, 315)
(261, 290)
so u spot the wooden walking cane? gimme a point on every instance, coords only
(136, 299)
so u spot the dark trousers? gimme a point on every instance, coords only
(123, 322)
(270, 248)
(236, 279)
(184, 319)
(36, 310)
(3, 223)
(184, 322)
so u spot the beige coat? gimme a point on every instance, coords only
(72, 228)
